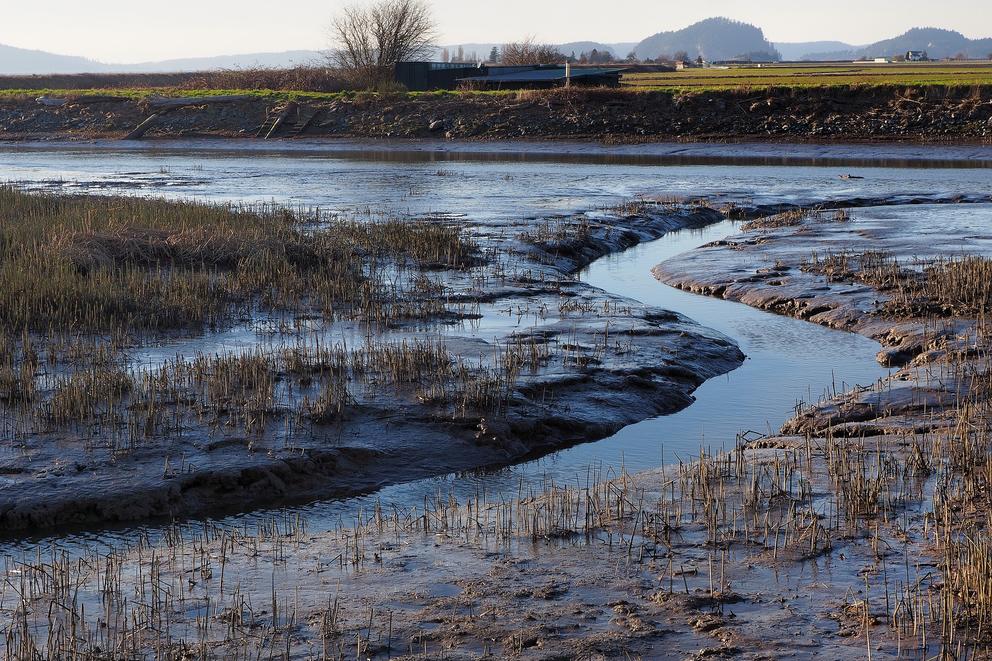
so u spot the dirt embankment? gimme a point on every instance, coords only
(879, 113)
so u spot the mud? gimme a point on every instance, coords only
(621, 567)
(927, 114)
(820, 541)
(611, 362)
(763, 267)
(913, 424)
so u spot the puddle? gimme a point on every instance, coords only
(438, 590)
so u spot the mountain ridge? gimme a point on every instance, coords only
(795, 51)
(24, 61)
(713, 39)
(938, 42)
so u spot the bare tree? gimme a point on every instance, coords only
(529, 52)
(370, 39)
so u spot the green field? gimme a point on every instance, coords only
(704, 79)
(814, 75)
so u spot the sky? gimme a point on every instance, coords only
(125, 31)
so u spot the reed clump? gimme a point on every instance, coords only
(255, 392)
(558, 232)
(789, 218)
(138, 264)
(85, 279)
(938, 287)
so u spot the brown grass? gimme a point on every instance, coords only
(75, 263)
(303, 78)
(941, 287)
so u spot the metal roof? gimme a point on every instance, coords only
(541, 75)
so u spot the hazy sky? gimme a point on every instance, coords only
(132, 31)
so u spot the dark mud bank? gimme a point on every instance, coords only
(623, 363)
(777, 265)
(766, 266)
(930, 113)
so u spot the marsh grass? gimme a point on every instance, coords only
(784, 508)
(946, 472)
(790, 218)
(939, 287)
(557, 232)
(132, 264)
(290, 392)
(914, 506)
(83, 278)
(724, 508)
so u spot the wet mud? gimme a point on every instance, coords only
(595, 363)
(752, 555)
(915, 436)
(844, 534)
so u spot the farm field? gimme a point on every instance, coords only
(814, 75)
(700, 80)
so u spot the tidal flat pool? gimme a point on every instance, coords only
(496, 189)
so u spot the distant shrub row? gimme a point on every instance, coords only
(301, 78)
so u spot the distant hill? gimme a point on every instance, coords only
(937, 42)
(619, 51)
(17, 61)
(803, 50)
(20, 61)
(713, 39)
(266, 60)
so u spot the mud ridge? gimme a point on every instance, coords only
(772, 266)
(624, 363)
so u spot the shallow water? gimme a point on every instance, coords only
(788, 360)
(492, 187)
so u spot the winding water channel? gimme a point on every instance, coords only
(788, 360)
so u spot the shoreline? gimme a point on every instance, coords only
(953, 153)
(849, 114)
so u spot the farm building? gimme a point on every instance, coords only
(542, 76)
(917, 56)
(427, 76)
